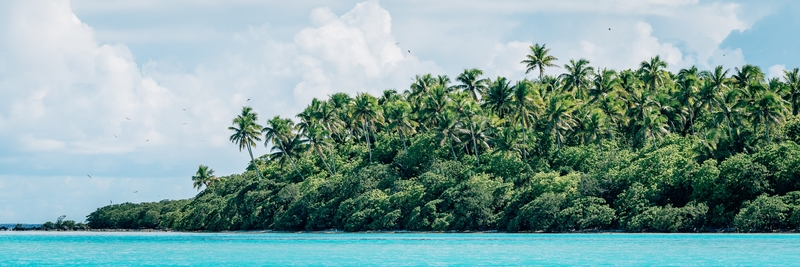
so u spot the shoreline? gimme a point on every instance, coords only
(713, 231)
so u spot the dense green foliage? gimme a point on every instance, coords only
(638, 150)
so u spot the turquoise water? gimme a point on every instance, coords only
(249, 249)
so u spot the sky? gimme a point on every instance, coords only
(119, 101)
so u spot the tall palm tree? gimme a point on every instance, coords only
(792, 79)
(289, 149)
(246, 132)
(449, 127)
(768, 107)
(538, 59)
(422, 84)
(398, 117)
(366, 111)
(558, 115)
(499, 97)
(653, 72)
(527, 106)
(203, 177)
(578, 76)
(316, 137)
(472, 83)
(746, 76)
(433, 105)
(287, 144)
(653, 125)
(685, 96)
(604, 84)
(469, 112)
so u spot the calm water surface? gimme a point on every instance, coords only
(249, 249)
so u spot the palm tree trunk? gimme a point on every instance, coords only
(558, 137)
(541, 73)
(253, 160)
(767, 123)
(474, 145)
(453, 151)
(322, 158)
(285, 154)
(333, 160)
(402, 140)
(366, 137)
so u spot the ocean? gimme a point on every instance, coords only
(36, 248)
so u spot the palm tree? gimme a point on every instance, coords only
(286, 143)
(449, 127)
(470, 82)
(653, 124)
(499, 97)
(468, 112)
(768, 107)
(316, 137)
(577, 77)
(746, 76)
(246, 132)
(527, 105)
(420, 87)
(398, 117)
(792, 79)
(433, 105)
(203, 177)
(366, 111)
(558, 115)
(653, 72)
(538, 59)
(604, 84)
(289, 149)
(507, 141)
(687, 86)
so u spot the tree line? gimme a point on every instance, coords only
(639, 150)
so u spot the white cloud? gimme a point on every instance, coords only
(355, 52)
(776, 71)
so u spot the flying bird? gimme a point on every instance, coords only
(609, 29)
(184, 123)
(127, 118)
(115, 135)
(184, 109)
(90, 177)
(148, 140)
(248, 99)
(135, 191)
(409, 51)
(396, 43)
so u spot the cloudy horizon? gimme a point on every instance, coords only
(119, 101)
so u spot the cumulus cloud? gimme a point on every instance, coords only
(354, 52)
(776, 71)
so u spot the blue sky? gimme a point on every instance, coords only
(138, 93)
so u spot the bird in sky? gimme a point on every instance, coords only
(409, 51)
(396, 43)
(184, 123)
(148, 140)
(135, 191)
(609, 29)
(110, 202)
(184, 109)
(90, 177)
(248, 99)
(127, 118)
(115, 135)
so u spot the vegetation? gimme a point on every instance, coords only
(639, 150)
